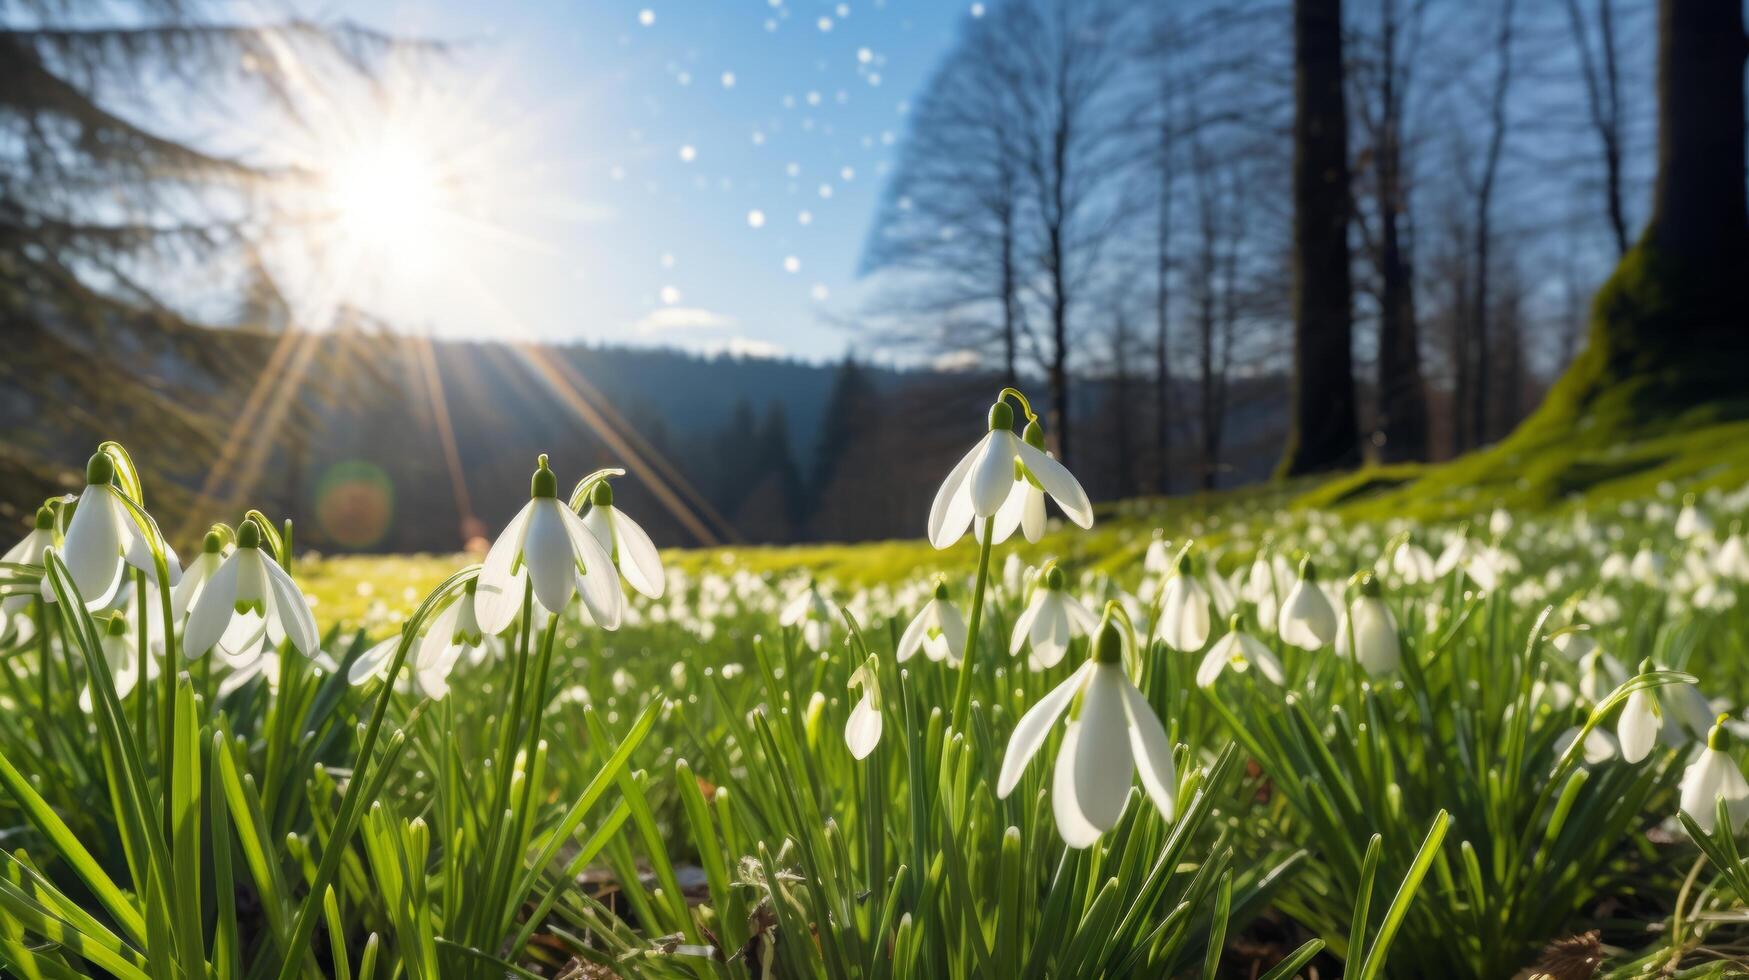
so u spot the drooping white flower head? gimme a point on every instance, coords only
(989, 474)
(1412, 564)
(1238, 650)
(1369, 631)
(100, 537)
(1669, 710)
(1114, 736)
(1691, 522)
(1599, 674)
(28, 552)
(811, 612)
(862, 731)
(937, 630)
(120, 646)
(1307, 620)
(547, 546)
(1714, 776)
(1050, 621)
(1731, 560)
(454, 632)
(1183, 623)
(247, 594)
(631, 548)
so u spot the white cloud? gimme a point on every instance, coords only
(958, 360)
(668, 319)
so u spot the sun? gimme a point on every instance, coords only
(388, 198)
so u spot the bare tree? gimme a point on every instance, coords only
(1600, 69)
(1323, 431)
(1075, 149)
(1383, 81)
(948, 234)
(1499, 119)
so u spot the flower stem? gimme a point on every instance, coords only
(45, 667)
(962, 700)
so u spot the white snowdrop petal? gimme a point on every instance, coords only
(550, 554)
(291, 609)
(498, 591)
(1104, 765)
(639, 560)
(212, 611)
(992, 475)
(863, 730)
(1033, 728)
(1059, 483)
(1072, 825)
(951, 512)
(1637, 729)
(1153, 750)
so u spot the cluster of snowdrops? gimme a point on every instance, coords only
(404, 798)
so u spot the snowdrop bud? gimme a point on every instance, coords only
(1714, 776)
(544, 482)
(100, 470)
(1108, 643)
(1001, 417)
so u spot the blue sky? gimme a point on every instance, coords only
(691, 172)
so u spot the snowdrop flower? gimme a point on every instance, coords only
(121, 654)
(811, 612)
(937, 630)
(199, 572)
(1239, 650)
(1050, 621)
(1267, 584)
(1599, 674)
(557, 552)
(1112, 736)
(1665, 709)
(1692, 523)
(1183, 623)
(100, 537)
(28, 551)
(862, 732)
(631, 548)
(373, 662)
(454, 632)
(1714, 776)
(1732, 558)
(1307, 619)
(987, 476)
(1369, 631)
(1157, 560)
(1499, 522)
(249, 583)
(1647, 566)
(1599, 747)
(1412, 564)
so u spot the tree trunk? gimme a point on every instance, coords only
(1402, 396)
(1010, 326)
(1323, 431)
(1670, 329)
(1162, 354)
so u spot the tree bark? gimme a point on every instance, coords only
(1402, 395)
(1323, 432)
(1670, 329)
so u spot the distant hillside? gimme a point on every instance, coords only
(721, 448)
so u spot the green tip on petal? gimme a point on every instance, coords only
(100, 470)
(1055, 580)
(248, 535)
(1001, 417)
(1034, 434)
(1108, 643)
(602, 495)
(544, 483)
(45, 517)
(214, 542)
